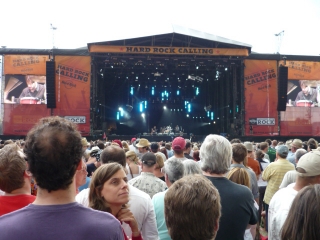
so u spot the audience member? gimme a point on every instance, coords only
(169, 150)
(178, 145)
(187, 150)
(109, 192)
(271, 151)
(53, 149)
(303, 219)
(140, 203)
(198, 201)
(173, 170)
(308, 172)
(216, 156)
(196, 155)
(252, 163)
(274, 174)
(143, 147)
(295, 145)
(133, 165)
(147, 181)
(159, 165)
(191, 167)
(15, 180)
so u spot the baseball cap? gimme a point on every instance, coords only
(178, 143)
(118, 142)
(282, 149)
(309, 164)
(133, 139)
(297, 143)
(248, 146)
(149, 159)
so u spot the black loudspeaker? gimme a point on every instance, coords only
(51, 84)
(282, 88)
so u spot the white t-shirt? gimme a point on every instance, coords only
(140, 205)
(278, 211)
(264, 165)
(289, 177)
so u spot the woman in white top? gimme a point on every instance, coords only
(133, 165)
(263, 162)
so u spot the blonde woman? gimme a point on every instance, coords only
(160, 163)
(125, 146)
(133, 165)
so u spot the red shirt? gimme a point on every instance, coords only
(254, 165)
(12, 203)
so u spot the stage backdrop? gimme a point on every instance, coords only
(21, 112)
(302, 116)
(260, 83)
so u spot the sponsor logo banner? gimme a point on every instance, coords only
(262, 121)
(76, 119)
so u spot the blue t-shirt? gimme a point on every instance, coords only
(158, 204)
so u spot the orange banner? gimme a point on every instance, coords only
(25, 64)
(302, 70)
(73, 90)
(260, 84)
(170, 50)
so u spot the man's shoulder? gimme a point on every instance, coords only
(138, 194)
(283, 195)
(158, 196)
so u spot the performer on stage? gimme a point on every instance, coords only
(154, 130)
(177, 129)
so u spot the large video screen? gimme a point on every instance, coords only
(303, 93)
(24, 89)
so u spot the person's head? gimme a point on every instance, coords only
(249, 147)
(149, 162)
(304, 84)
(296, 144)
(215, 154)
(308, 168)
(54, 150)
(143, 145)
(268, 141)
(274, 143)
(125, 146)
(260, 154)
(192, 208)
(239, 176)
(100, 145)
(133, 140)
(13, 168)
(312, 144)
(108, 188)
(187, 148)
(303, 219)
(178, 145)
(81, 174)
(196, 155)
(168, 146)
(113, 153)
(173, 170)
(118, 142)
(235, 140)
(160, 162)
(132, 157)
(282, 151)
(154, 147)
(164, 151)
(191, 167)
(299, 153)
(239, 153)
(264, 146)
(32, 85)
(84, 143)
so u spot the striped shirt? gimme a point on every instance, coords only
(274, 174)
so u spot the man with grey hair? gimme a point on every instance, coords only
(216, 155)
(291, 176)
(295, 145)
(173, 170)
(191, 167)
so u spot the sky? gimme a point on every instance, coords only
(27, 23)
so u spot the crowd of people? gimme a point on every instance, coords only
(57, 185)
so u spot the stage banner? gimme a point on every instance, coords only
(261, 96)
(302, 115)
(20, 118)
(25, 64)
(73, 90)
(170, 50)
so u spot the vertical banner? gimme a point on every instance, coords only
(24, 95)
(73, 90)
(261, 96)
(302, 115)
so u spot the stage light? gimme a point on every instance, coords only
(226, 69)
(178, 109)
(141, 107)
(189, 107)
(118, 115)
(209, 123)
(131, 91)
(187, 115)
(178, 92)
(197, 67)
(145, 104)
(152, 91)
(197, 91)
(143, 115)
(214, 122)
(120, 109)
(164, 107)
